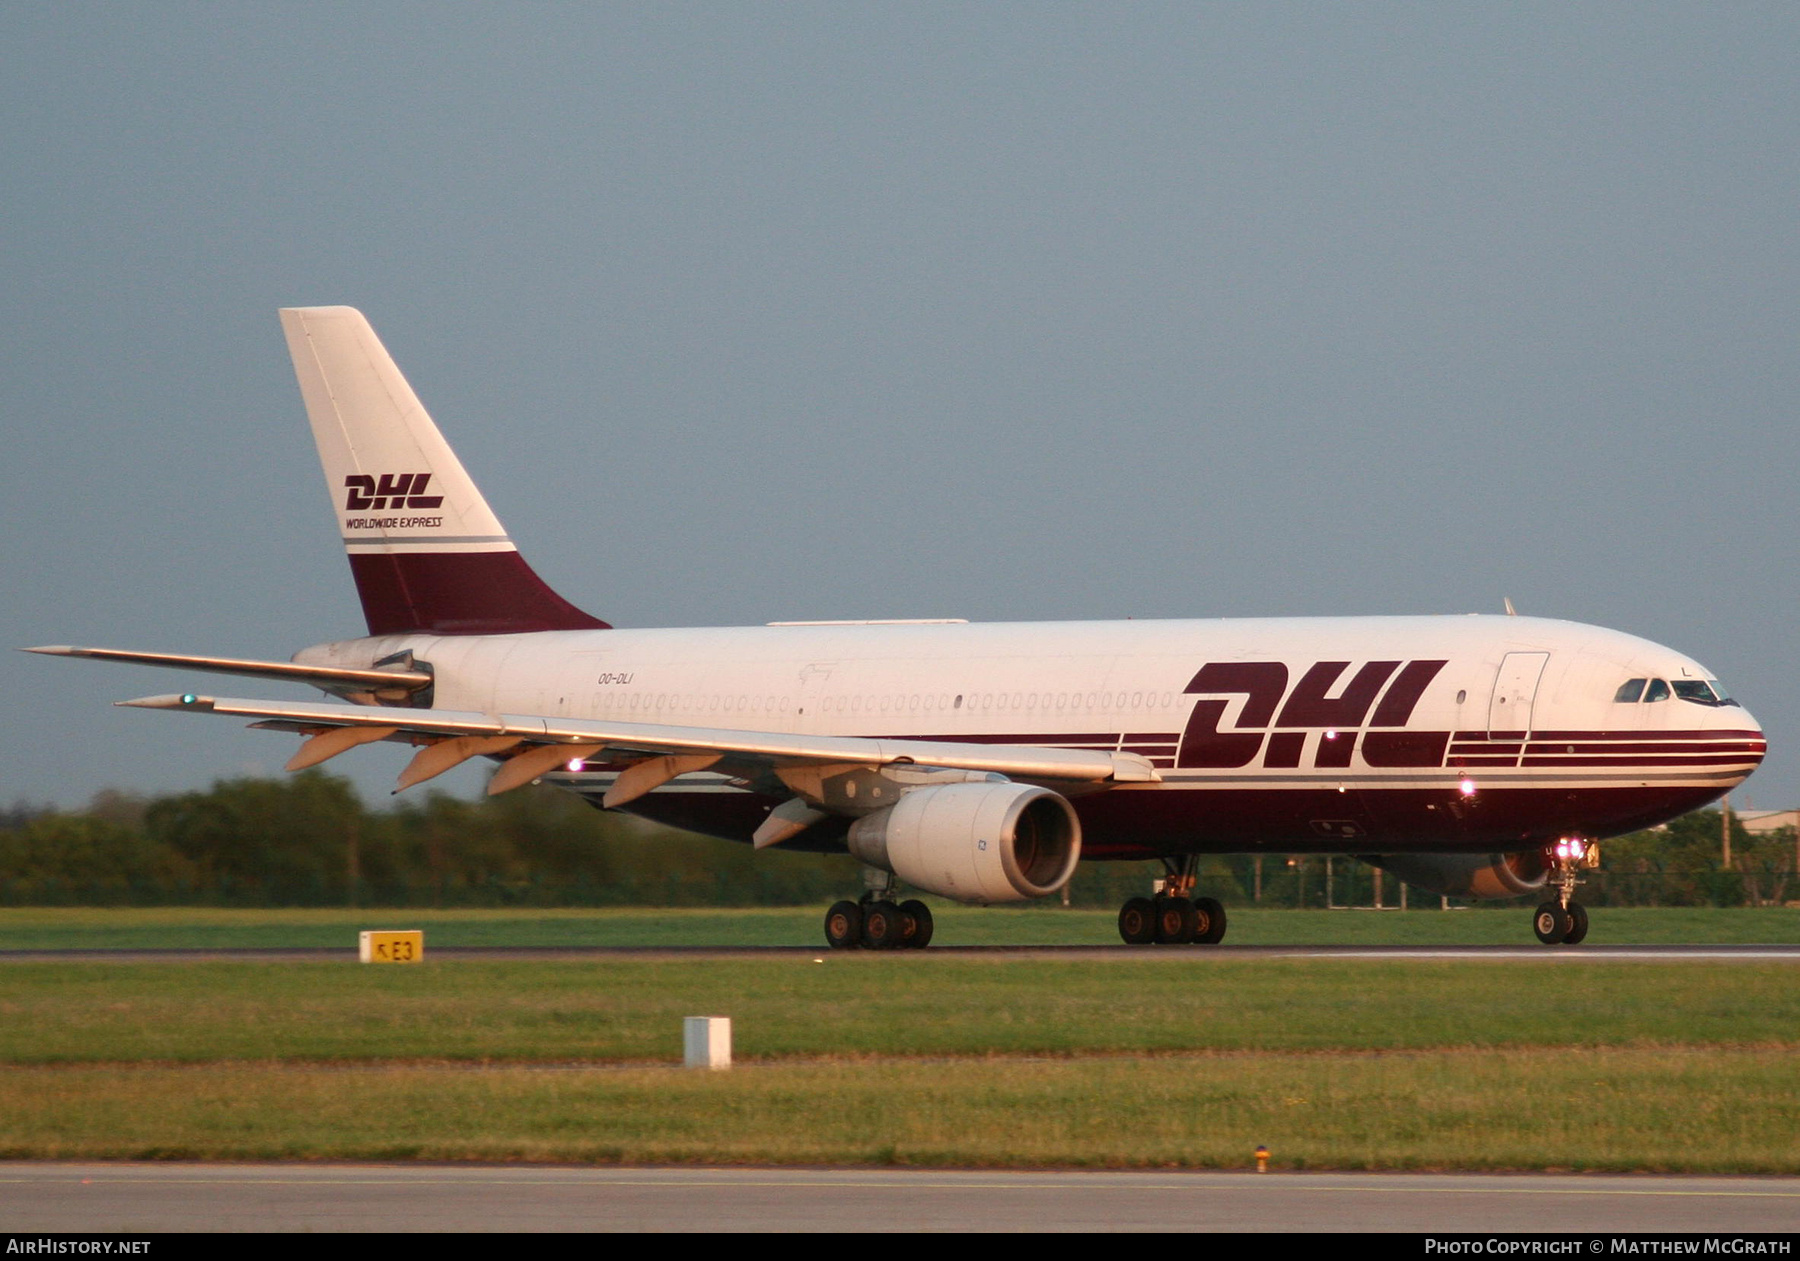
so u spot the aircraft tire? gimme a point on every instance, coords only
(1137, 922)
(1176, 921)
(1551, 924)
(1211, 929)
(844, 926)
(1578, 925)
(884, 927)
(920, 915)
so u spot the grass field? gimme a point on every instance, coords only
(868, 1005)
(1718, 1111)
(914, 1059)
(58, 928)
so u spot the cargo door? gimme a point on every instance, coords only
(815, 686)
(1515, 688)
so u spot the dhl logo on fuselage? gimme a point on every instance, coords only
(395, 490)
(1274, 715)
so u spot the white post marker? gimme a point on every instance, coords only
(392, 947)
(706, 1041)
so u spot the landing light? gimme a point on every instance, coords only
(575, 764)
(1466, 788)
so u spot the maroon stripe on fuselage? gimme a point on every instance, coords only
(460, 593)
(1625, 746)
(1404, 748)
(1103, 739)
(1577, 759)
(1421, 749)
(1721, 734)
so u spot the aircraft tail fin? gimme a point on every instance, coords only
(427, 552)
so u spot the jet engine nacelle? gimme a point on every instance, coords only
(1481, 876)
(981, 842)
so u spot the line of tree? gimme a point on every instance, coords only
(309, 840)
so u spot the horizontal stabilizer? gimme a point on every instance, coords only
(400, 683)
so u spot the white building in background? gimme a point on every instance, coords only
(1757, 822)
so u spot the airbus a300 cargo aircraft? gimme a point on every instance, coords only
(1476, 757)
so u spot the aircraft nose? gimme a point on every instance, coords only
(1735, 717)
(1742, 734)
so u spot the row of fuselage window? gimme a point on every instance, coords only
(893, 703)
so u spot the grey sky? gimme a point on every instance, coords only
(747, 312)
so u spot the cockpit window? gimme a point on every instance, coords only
(1630, 692)
(1702, 692)
(1658, 691)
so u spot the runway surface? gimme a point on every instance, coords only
(193, 1197)
(1098, 954)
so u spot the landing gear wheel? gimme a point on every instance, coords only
(1552, 924)
(1578, 925)
(1137, 922)
(1176, 921)
(1210, 930)
(884, 927)
(1564, 921)
(844, 926)
(918, 915)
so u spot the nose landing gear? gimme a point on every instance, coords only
(1172, 917)
(1564, 922)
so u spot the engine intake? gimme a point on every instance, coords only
(982, 842)
(1485, 877)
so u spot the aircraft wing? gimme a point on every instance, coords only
(655, 752)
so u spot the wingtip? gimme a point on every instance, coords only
(184, 700)
(52, 650)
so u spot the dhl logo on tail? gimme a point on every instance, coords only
(398, 490)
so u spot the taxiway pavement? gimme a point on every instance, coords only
(197, 1197)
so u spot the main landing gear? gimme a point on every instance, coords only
(1173, 917)
(1564, 922)
(877, 922)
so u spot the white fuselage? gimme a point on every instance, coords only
(1366, 734)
